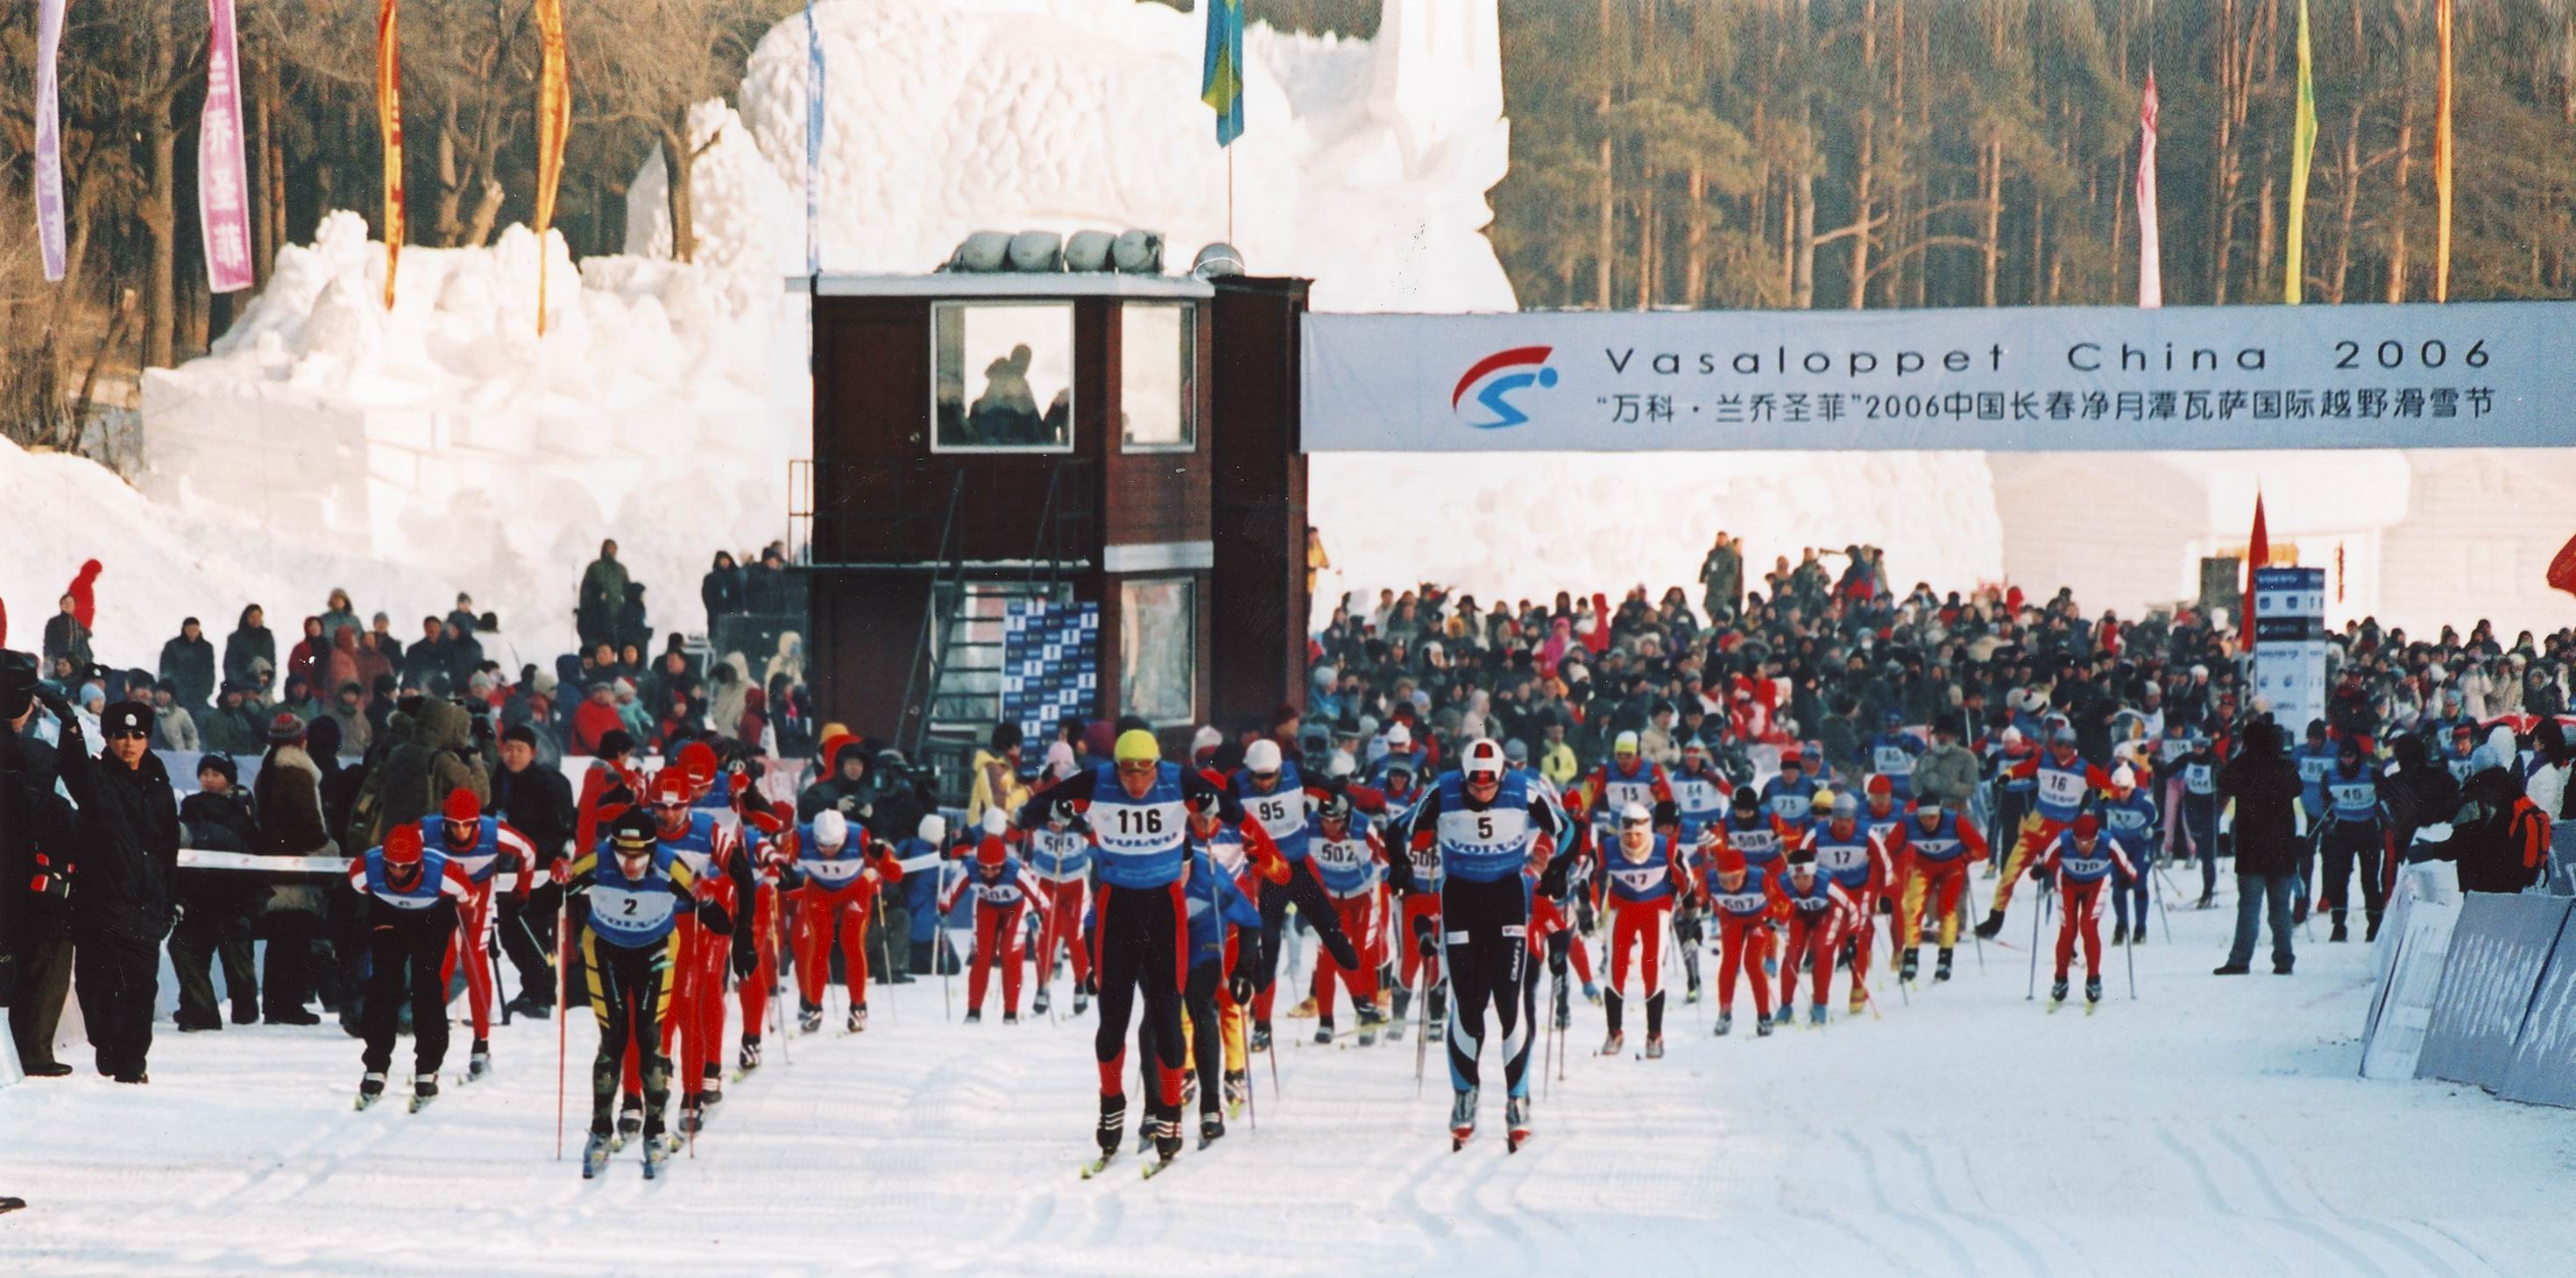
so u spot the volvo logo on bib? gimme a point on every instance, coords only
(1494, 379)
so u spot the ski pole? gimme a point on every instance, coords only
(778, 975)
(1427, 978)
(563, 1006)
(2129, 948)
(1951, 919)
(2038, 908)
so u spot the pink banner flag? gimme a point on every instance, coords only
(2151, 272)
(223, 204)
(49, 138)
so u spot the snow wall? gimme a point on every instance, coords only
(447, 443)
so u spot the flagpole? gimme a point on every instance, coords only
(2442, 161)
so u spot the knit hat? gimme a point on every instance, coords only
(286, 729)
(462, 806)
(402, 845)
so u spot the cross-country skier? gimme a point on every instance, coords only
(2082, 861)
(1224, 932)
(2358, 831)
(413, 896)
(766, 831)
(1745, 901)
(479, 845)
(1059, 858)
(1137, 806)
(1820, 911)
(838, 871)
(1001, 891)
(2129, 819)
(2065, 778)
(1347, 858)
(1857, 862)
(1489, 827)
(719, 874)
(1274, 795)
(1642, 875)
(625, 906)
(1940, 845)
(2015, 790)
(1787, 796)
(1626, 777)
(1700, 802)
(2199, 824)
(1891, 755)
(1416, 968)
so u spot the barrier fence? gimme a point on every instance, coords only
(2479, 987)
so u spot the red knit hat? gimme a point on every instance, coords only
(463, 806)
(990, 851)
(698, 760)
(2087, 826)
(402, 845)
(1730, 861)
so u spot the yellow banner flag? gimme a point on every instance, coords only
(389, 122)
(554, 119)
(2303, 143)
(2442, 161)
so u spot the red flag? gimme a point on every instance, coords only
(2258, 553)
(2151, 271)
(2562, 570)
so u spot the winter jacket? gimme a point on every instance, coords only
(356, 734)
(233, 731)
(2499, 839)
(127, 845)
(2265, 786)
(1012, 793)
(537, 802)
(339, 667)
(248, 643)
(32, 816)
(173, 728)
(65, 636)
(425, 761)
(1948, 773)
(190, 663)
(289, 794)
(721, 591)
(309, 655)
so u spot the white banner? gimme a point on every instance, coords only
(2290, 644)
(2011, 379)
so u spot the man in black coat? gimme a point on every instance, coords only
(216, 906)
(35, 840)
(126, 856)
(2265, 785)
(537, 801)
(188, 660)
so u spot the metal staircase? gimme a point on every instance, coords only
(953, 686)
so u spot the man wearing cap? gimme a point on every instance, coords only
(1846, 852)
(2198, 828)
(1002, 889)
(1627, 777)
(1343, 858)
(1642, 876)
(2082, 861)
(838, 871)
(2356, 831)
(537, 802)
(413, 890)
(1275, 796)
(1893, 753)
(126, 856)
(479, 845)
(1137, 807)
(1401, 752)
(1788, 795)
(1818, 912)
(721, 875)
(216, 906)
(2129, 819)
(2065, 779)
(1745, 900)
(1060, 860)
(1940, 843)
(625, 903)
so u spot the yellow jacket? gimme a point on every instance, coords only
(1014, 791)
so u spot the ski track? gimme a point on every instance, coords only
(2207, 1128)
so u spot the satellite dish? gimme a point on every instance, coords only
(1217, 259)
(1089, 250)
(1037, 251)
(981, 251)
(1139, 253)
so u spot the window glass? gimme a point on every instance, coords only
(1002, 376)
(1158, 649)
(1157, 375)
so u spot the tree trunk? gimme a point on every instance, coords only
(2397, 219)
(160, 224)
(1695, 239)
(255, 174)
(1802, 235)
(677, 160)
(446, 224)
(1990, 165)
(1647, 231)
(1609, 249)
(2346, 205)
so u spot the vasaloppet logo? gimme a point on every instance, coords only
(1494, 378)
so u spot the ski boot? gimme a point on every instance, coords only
(1909, 966)
(750, 1054)
(1610, 1046)
(1516, 1114)
(1941, 968)
(1654, 1047)
(594, 1155)
(630, 1120)
(424, 1089)
(1725, 1024)
(1211, 1128)
(1323, 1030)
(1439, 1030)
(1816, 1016)
(1238, 1089)
(533, 1006)
(857, 1019)
(657, 1151)
(2056, 993)
(478, 1064)
(1859, 999)
(974, 1016)
(1763, 1026)
(2138, 935)
(2119, 934)
(2092, 994)
(1592, 993)
(2339, 935)
(1370, 1020)
(2207, 899)
(1993, 926)
(711, 1090)
(1462, 1118)
(693, 1116)
(1304, 1010)
(1260, 1037)
(1038, 1006)
(809, 1018)
(371, 1089)
(1111, 1132)
(1781, 1015)
(1082, 997)
(1010, 1018)
(1167, 1137)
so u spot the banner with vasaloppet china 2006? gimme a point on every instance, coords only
(2494, 374)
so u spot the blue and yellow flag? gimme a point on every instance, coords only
(1221, 82)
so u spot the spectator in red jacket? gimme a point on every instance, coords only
(594, 719)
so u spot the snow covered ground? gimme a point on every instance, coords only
(2210, 1128)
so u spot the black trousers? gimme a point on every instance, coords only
(630, 995)
(213, 930)
(1140, 936)
(528, 936)
(1314, 905)
(298, 960)
(119, 979)
(36, 1009)
(406, 955)
(2345, 843)
(1488, 958)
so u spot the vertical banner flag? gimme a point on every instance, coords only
(2442, 160)
(389, 124)
(813, 145)
(223, 206)
(2303, 141)
(2151, 270)
(2258, 553)
(49, 139)
(1221, 78)
(554, 119)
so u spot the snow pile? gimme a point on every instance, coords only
(2207, 1127)
(447, 437)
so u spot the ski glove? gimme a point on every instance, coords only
(1240, 987)
(1426, 938)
